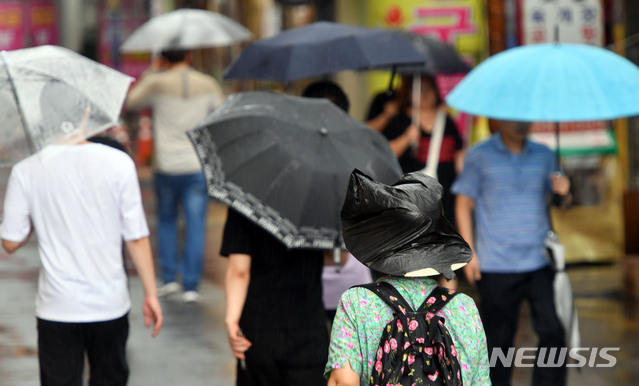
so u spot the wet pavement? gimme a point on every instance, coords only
(192, 348)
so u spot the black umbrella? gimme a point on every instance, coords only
(285, 161)
(321, 48)
(441, 57)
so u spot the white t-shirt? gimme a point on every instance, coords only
(82, 201)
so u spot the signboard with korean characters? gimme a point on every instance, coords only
(574, 21)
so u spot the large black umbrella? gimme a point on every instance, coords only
(321, 48)
(285, 161)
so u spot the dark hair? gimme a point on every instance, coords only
(405, 90)
(108, 141)
(329, 90)
(174, 56)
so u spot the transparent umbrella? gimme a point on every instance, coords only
(50, 94)
(185, 29)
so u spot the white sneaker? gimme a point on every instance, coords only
(168, 289)
(190, 297)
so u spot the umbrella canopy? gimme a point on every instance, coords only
(321, 48)
(50, 94)
(550, 82)
(441, 57)
(284, 162)
(185, 29)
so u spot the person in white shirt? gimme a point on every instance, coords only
(82, 201)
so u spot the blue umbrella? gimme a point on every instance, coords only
(553, 83)
(322, 48)
(550, 82)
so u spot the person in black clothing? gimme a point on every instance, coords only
(274, 311)
(391, 113)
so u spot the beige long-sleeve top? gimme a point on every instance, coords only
(179, 97)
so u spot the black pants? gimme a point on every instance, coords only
(284, 358)
(62, 348)
(501, 298)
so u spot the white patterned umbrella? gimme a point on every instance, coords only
(185, 29)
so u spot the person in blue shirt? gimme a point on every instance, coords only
(506, 183)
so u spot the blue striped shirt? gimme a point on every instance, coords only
(511, 211)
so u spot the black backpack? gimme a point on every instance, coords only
(415, 347)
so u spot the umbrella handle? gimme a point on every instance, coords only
(337, 258)
(416, 98)
(392, 77)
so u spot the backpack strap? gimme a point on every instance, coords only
(389, 295)
(437, 300)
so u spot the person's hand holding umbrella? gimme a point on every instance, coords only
(560, 185)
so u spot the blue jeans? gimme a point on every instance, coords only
(189, 192)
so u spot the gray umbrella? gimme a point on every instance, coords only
(441, 57)
(284, 162)
(185, 29)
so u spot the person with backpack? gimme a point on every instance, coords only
(404, 329)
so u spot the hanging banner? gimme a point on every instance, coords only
(575, 21)
(11, 25)
(42, 23)
(576, 138)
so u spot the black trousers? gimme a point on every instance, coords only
(62, 348)
(284, 358)
(501, 298)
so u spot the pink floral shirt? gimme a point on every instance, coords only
(362, 315)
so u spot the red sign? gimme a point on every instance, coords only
(42, 23)
(117, 19)
(11, 25)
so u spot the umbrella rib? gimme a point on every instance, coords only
(14, 91)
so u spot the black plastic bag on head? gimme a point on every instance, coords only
(400, 229)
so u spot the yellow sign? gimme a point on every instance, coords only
(459, 22)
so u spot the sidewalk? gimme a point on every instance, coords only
(192, 349)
